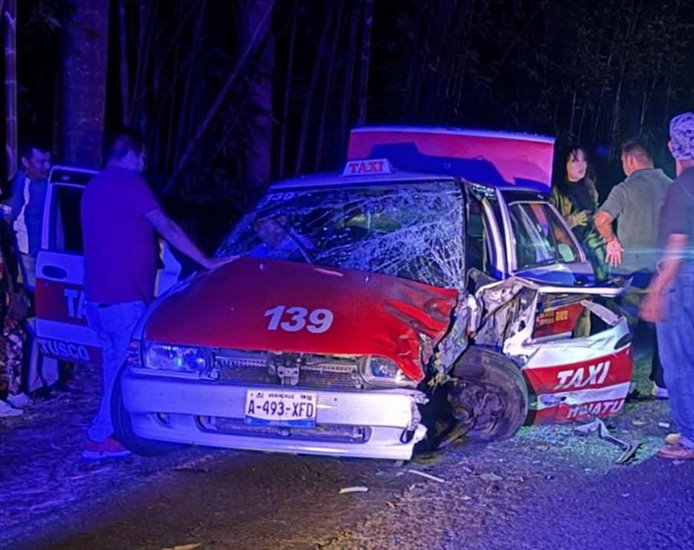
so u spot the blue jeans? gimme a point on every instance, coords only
(676, 346)
(114, 326)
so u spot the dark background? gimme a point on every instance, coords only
(590, 72)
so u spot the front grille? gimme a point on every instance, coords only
(239, 367)
(322, 432)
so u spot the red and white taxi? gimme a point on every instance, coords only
(361, 296)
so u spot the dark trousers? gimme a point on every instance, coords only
(630, 301)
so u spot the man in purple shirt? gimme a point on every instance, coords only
(120, 219)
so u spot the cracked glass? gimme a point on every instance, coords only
(412, 230)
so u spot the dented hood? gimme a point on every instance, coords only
(272, 305)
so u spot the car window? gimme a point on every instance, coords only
(410, 230)
(539, 237)
(479, 249)
(66, 223)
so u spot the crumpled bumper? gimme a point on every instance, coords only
(368, 424)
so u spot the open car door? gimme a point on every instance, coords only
(62, 331)
(61, 324)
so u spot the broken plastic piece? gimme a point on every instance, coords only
(357, 489)
(428, 476)
(629, 448)
(491, 477)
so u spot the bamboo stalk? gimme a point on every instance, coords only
(287, 94)
(183, 126)
(365, 55)
(11, 146)
(221, 96)
(328, 87)
(349, 72)
(124, 65)
(303, 133)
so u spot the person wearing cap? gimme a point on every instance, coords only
(669, 299)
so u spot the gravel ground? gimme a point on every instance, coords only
(545, 488)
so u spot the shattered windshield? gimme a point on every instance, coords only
(539, 236)
(410, 230)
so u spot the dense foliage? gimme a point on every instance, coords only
(232, 94)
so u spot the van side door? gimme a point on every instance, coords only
(61, 323)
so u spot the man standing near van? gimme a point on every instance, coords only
(635, 204)
(25, 207)
(120, 219)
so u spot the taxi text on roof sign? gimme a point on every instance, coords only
(367, 166)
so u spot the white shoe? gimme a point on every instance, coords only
(659, 393)
(19, 400)
(8, 410)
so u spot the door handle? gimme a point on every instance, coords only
(54, 272)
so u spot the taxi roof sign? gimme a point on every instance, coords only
(368, 166)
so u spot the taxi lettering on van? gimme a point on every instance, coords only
(579, 378)
(75, 303)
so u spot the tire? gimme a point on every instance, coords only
(488, 395)
(124, 431)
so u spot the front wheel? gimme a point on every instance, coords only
(488, 396)
(122, 426)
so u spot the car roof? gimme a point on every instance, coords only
(340, 180)
(523, 194)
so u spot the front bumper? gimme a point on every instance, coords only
(382, 423)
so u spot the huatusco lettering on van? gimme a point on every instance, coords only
(76, 352)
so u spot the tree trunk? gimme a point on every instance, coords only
(310, 94)
(327, 91)
(349, 73)
(258, 36)
(124, 65)
(258, 153)
(285, 98)
(84, 82)
(365, 55)
(10, 23)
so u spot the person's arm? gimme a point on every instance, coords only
(603, 223)
(170, 230)
(653, 305)
(574, 219)
(611, 209)
(14, 203)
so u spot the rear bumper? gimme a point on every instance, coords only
(367, 424)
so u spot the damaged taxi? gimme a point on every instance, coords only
(360, 299)
(431, 279)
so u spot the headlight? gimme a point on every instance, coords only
(380, 371)
(177, 359)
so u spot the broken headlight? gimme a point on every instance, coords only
(175, 359)
(380, 371)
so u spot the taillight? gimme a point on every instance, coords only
(557, 320)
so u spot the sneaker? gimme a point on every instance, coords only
(673, 439)
(8, 410)
(676, 452)
(658, 392)
(109, 448)
(19, 400)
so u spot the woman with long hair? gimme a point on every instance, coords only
(576, 197)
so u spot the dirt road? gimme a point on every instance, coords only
(545, 488)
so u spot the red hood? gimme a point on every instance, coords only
(236, 305)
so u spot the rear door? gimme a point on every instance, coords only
(61, 323)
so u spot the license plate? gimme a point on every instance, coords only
(280, 408)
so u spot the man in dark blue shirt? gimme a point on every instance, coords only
(25, 207)
(669, 300)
